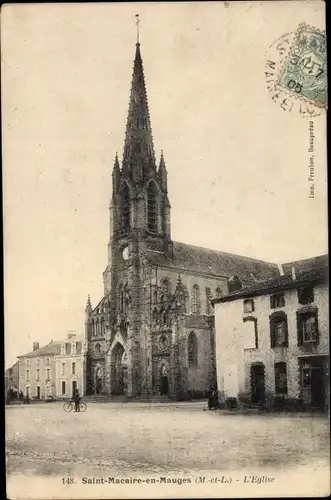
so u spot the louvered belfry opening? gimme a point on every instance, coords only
(125, 208)
(152, 207)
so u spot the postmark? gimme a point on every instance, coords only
(304, 72)
(279, 72)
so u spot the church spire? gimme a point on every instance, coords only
(138, 154)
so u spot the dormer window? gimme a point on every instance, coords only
(73, 348)
(248, 306)
(277, 300)
(306, 295)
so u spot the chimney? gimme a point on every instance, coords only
(35, 346)
(280, 269)
(293, 273)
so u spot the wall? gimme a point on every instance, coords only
(230, 341)
(67, 376)
(47, 387)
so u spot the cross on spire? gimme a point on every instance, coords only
(137, 24)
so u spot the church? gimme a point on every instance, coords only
(152, 332)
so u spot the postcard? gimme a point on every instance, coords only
(165, 250)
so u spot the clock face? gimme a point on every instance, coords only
(125, 253)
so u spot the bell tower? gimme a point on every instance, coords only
(139, 223)
(140, 207)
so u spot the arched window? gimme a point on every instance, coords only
(121, 298)
(163, 317)
(102, 326)
(92, 327)
(125, 207)
(151, 207)
(125, 298)
(155, 316)
(97, 327)
(186, 299)
(195, 306)
(192, 350)
(208, 299)
(97, 349)
(166, 287)
(155, 297)
(218, 292)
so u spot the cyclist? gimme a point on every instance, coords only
(77, 399)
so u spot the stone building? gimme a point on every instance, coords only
(55, 369)
(37, 370)
(12, 380)
(272, 340)
(70, 366)
(152, 333)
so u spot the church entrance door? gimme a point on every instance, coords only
(164, 382)
(118, 369)
(98, 381)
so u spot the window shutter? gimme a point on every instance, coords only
(272, 332)
(317, 331)
(286, 331)
(299, 330)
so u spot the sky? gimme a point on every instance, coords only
(237, 164)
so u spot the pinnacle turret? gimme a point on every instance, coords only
(163, 175)
(88, 308)
(116, 175)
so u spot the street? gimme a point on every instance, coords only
(132, 439)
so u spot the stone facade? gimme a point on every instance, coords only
(248, 324)
(47, 370)
(70, 367)
(152, 333)
(12, 379)
(37, 371)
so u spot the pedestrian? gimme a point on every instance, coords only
(77, 400)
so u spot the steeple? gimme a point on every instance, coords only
(139, 153)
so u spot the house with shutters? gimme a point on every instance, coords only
(272, 340)
(56, 369)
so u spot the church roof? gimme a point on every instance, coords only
(305, 265)
(216, 263)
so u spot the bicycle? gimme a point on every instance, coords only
(70, 406)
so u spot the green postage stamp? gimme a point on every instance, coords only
(304, 72)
